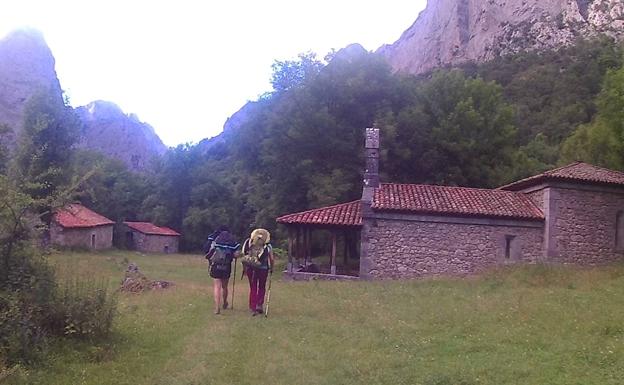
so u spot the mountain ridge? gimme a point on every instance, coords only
(27, 66)
(452, 32)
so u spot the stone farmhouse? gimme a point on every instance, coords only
(149, 238)
(76, 226)
(572, 214)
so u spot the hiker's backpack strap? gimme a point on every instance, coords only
(245, 248)
(231, 248)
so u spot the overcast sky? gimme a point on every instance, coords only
(185, 66)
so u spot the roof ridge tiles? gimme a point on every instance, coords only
(450, 187)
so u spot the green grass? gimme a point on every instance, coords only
(524, 325)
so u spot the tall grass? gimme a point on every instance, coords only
(83, 309)
(519, 325)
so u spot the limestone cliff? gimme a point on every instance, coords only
(450, 32)
(26, 66)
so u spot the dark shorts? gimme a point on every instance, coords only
(220, 271)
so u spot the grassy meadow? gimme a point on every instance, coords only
(522, 325)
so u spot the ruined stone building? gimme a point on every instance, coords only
(76, 226)
(149, 238)
(572, 214)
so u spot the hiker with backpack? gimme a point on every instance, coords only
(220, 255)
(258, 262)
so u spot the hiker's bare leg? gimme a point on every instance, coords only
(224, 288)
(216, 291)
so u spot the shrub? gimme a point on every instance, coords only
(83, 309)
(21, 334)
(33, 306)
(25, 297)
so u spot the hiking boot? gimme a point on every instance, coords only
(217, 311)
(259, 311)
(225, 305)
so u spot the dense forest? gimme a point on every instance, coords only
(300, 145)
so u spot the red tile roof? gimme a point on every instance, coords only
(463, 201)
(575, 172)
(76, 215)
(425, 199)
(150, 228)
(345, 214)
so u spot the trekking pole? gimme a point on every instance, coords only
(266, 312)
(233, 284)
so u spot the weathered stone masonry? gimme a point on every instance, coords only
(93, 238)
(434, 245)
(155, 243)
(581, 223)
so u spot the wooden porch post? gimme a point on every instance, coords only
(306, 247)
(333, 252)
(309, 246)
(290, 250)
(345, 250)
(298, 246)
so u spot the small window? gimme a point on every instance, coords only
(619, 231)
(508, 245)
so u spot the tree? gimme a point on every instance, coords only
(4, 150)
(45, 144)
(457, 130)
(112, 189)
(169, 188)
(289, 74)
(602, 141)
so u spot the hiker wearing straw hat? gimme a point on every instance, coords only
(258, 262)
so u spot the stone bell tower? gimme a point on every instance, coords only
(371, 172)
(371, 182)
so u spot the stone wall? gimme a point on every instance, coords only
(92, 238)
(149, 243)
(448, 246)
(583, 224)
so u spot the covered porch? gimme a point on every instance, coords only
(335, 227)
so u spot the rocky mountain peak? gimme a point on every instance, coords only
(450, 32)
(103, 110)
(107, 129)
(26, 67)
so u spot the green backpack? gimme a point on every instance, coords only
(255, 248)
